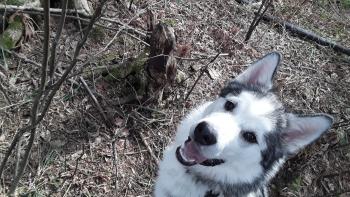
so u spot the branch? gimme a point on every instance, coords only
(203, 70)
(14, 8)
(7, 98)
(56, 40)
(306, 34)
(149, 149)
(257, 18)
(73, 63)
(97, 105)
(23, 163)
(56, 12)
(48, 100)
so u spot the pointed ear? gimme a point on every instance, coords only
(303, 130)
(262, 71)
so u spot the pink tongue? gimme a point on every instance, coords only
(191, 152)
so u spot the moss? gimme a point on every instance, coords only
(296, 184)
(12, 34)
(170, 22)
(15, 2)
(97, 34)
(131, 67)
(345, 3)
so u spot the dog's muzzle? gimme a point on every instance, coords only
(189, 155)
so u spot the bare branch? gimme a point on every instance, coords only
(56, 40)
(79, 46)
(23, 163)
(36, 119)
(257, 18)
(203, 70)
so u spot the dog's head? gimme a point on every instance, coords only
(245, 133)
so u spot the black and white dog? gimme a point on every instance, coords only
(234, 145)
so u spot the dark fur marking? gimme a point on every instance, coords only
(211, 194)
(231, 190)
(274, 148)
(234, 87)
(273, 151)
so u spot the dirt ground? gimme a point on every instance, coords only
(74, 153)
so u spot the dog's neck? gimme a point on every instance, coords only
(228, 189)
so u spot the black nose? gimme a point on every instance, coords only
(203, 134)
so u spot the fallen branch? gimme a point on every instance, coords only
(306, 34)
(13, 8)
(97, 104)
(150, 151)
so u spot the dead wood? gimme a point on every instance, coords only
(161, 65)
(106, 119)
(306, 34)
(14, 8)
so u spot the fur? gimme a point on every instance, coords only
(234, 145)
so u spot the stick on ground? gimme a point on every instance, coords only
(306, 34)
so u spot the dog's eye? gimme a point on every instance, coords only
(229, 105)
(250, 137)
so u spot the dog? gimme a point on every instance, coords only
(233, 146)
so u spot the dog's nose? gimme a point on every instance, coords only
(203, 134)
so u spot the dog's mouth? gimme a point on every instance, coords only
(189, 155)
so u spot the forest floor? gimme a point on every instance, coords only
(73, 154)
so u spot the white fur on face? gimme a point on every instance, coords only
(242, 159)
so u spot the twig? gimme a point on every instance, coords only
(306, 34)
(34, 111)
(70, 13)
(15, 104)
(26, 60)
(97, 104)
(77, 162)
(115, 162)
(203, 70)
(121, 29)
(74, 61)
(56, 40)
(55, 88)
(126, 26)
(257, 18)
(201, 58)
(144, 141)
(75, 169)
(3, 90)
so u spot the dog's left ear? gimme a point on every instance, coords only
(303, 130)
(261, 72)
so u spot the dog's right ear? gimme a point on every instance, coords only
(303, 130)
(261, 72)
